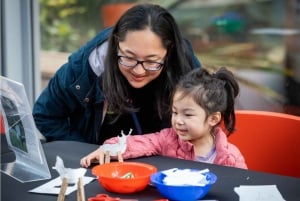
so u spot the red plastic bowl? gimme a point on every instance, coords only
(110, 176)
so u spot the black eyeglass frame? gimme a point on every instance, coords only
(159, 65)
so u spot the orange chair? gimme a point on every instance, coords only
(269, 141)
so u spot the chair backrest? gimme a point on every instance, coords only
(269, 141)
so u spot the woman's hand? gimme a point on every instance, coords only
(97, 155)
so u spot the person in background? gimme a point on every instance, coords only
(121, 79)
(202, 105)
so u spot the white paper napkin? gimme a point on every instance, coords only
(177, 176)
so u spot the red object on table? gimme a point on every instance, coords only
(105, 197)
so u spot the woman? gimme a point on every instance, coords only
(121, 79)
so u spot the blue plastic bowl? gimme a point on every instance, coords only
(182, 192)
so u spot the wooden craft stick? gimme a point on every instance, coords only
(120, 158)
(78, 193)
(63, 188)
(80, 190)
(107, 157)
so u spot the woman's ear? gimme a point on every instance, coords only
(214, 118)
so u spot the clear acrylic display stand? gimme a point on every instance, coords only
(21, 134)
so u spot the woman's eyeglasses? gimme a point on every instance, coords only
(147, 65)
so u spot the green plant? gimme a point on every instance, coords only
(67, 24)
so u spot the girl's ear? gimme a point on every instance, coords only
(214, 119)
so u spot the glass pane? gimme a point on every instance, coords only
(257, 40)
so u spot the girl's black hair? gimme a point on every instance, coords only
(213, 92)
(177, 62)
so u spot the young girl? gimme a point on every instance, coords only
(201, 102)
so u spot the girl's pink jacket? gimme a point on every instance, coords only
(167, 143)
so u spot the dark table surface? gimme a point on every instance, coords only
(71, 152)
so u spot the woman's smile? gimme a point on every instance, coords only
(137, 78)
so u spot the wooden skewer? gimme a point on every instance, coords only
(78, 193)
(63, 188)
(80, 190)
(120, 158)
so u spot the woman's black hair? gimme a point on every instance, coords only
(177, 63)
(213, 92)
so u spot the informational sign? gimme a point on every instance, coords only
(21, 134)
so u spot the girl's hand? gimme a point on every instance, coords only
(97, 155)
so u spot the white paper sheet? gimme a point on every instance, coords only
(53, 186)
(259, 193)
